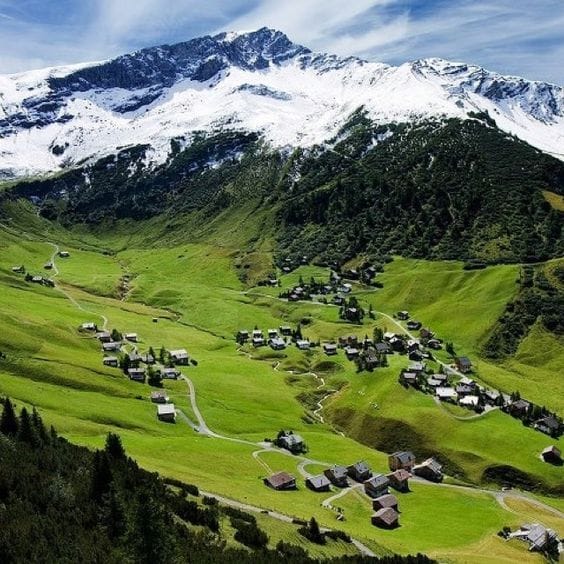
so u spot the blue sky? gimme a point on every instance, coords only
(522, 37)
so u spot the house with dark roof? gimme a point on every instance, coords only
(430, 469)
(463, 364)
(549, 425)
(112, 346)
(351, 353)
(285, 330)
(360, 471)
(242, 336)
(303, 344)
(386, 500)
(281, 481)
(552, 455)
(376, 486)
(319, 483)
(401, 459)
(292, 442)
(413, 325)
(386, 518)
(403, 315)
(104, 336)
(519, 408)
(399, 480)
(337, 475)
(536, 535)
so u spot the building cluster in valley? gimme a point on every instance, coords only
(121, 351)
(376, 486)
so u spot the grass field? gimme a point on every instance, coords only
(196, 293)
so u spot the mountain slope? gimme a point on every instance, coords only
(259, 82)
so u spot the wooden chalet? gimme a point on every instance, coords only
(159, 396)
(430, 469)
(319, 483)
(281, 481)
(399, 480)
(137, 374)
(463, 364)
(277, 344)
(360, 471)
(112, 361)
(166, 412)
(386, 500)
(330, 349)
(180, 356)
(377, 485)
(549, 425)
(170, 373)
(404, 459)
(337, 475)
(386, 518)
(552, 455)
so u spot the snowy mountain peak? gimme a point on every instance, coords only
(257, 81)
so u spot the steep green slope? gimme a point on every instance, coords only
(442, 189)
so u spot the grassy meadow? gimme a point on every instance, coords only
(197, 292)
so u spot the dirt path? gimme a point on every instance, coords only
(56, 250)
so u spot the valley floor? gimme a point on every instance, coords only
(237, 397)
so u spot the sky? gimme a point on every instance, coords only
(518, 37)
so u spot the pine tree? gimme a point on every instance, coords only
(9, 422)
(39, 427)
(114, 447)
(26, 432)
(101, 476)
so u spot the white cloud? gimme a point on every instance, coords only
(511, 36)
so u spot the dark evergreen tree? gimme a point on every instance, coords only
(9, 422)
(114, 447)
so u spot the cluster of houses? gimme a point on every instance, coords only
(377, 486)
(136, 365)
(464, 391)
(467, 393)
(277, 339)
(34, 279)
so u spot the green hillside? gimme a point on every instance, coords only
(200, 291)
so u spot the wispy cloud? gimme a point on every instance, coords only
(510, 36)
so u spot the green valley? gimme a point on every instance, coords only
(189, 288)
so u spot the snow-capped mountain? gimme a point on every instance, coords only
(259, 81)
